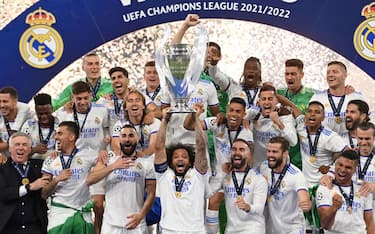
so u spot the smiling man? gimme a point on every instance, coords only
(224, 136)
(182, 181)
(334, 98)
(126, 171)
(42, 129)
(342, 209)
(356, 113)
(288, 197)
(271, 122)
(99, 86)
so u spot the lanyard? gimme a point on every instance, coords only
(94, 89)
(239, 189)
(250, 99)
(336, 110)
(275, 187)
(66, 165)
(362, 173)
(23, 173)
(348, 199)
(314, 147)
(76, 118)
(351, 141)
(154, 94)
(7, 125)
(235, 137)
(179, 184)
(51, 129)
(117, 104)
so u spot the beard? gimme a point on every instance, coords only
(278, 162)
(238, 165)
(127, 151)
(180, 173)
(355, 124)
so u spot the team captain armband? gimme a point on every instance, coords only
(161, 168)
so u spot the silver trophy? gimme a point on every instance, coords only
(180, 65)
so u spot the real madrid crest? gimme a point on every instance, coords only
(97, 120)
(41, 46)
(364, 36)
(79, 161)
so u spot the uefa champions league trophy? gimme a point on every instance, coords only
(180, 65)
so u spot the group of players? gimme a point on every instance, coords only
(292, 160)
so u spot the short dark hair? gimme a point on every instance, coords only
(80, 87)
(238, 100)
(316, 103)
(129, 126)
(350, 154)
(341, 64)
(172, 148)
(244, 141)
(294, 63)
(42, 99)
(150, 63)
(214, 44)
(119, 69)
(362, 107)
(366, 126)
(71, 126)
(282, 141)
(267, 88)
(11, 90)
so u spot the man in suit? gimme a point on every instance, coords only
(22, 208)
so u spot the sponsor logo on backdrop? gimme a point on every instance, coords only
(41, 46)
(364, 36)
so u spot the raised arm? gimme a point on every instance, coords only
(286, 102)
(189, 119)
(190, 20)
(160, 153)
(201, 162)
(328, 213)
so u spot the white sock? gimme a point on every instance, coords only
(212, 221)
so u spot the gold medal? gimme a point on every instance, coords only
(350, 210)
(270, 199)
(313, 159)
(239, 197)
(359, 181)
(338, 119)
(25, 181)
(178, 194)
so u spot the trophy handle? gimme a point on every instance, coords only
(160, 58)
(199, 50)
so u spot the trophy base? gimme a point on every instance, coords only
(181, 108)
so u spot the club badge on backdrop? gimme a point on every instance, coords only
(364, 36)
(41, 46)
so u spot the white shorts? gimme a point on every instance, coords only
(112, 229)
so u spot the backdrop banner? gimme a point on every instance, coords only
(52, 34)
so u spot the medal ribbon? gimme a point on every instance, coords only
(314, 147)
(179, 184)
(22, 174)
(348, 199)
(66, 165)
(235, 181)
(275, 187)
(76, 118)
(9, 130)
(95, 89)
(250, 99)
(351, 141)
(154, 94)
(117, 104)
(336, 110)
(51, 129)
(362, 173)
(235, 137)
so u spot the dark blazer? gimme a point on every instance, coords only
(9, 192)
